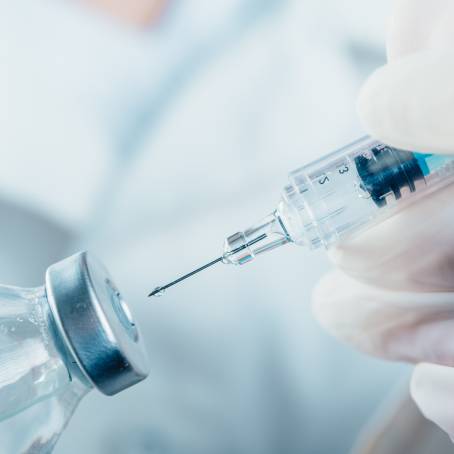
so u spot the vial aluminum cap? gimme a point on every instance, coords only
(95, 324)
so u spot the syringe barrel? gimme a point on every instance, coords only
(342, 194)
(356, 187)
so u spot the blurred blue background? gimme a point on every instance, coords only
(148, 133)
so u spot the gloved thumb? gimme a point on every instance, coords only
(409, 103)
(432, 388)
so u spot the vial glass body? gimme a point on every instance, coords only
(37, 393)
(31, 365)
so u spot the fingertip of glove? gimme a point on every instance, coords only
(432, 388)
(322, 300)
(427, 378)
(332, 309)
(376, 107)
(408, 103)
(419, 380)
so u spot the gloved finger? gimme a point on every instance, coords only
(417, 25)
(404, 326)
(413, 250)
(409, 103)
(432, 388)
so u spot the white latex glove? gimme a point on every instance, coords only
(393, 292)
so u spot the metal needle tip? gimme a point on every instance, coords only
(159, 291)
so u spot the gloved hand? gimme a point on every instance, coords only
(392, 294)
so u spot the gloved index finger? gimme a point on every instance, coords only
(409, 103)
(418, 25)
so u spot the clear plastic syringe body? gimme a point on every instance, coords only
(341, 195)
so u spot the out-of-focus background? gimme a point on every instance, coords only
(149, 130)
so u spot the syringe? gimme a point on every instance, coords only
(337, 197)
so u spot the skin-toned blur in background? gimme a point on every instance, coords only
(142, 13)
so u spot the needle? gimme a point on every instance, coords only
(160, 290)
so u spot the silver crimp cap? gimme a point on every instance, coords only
(95, 324)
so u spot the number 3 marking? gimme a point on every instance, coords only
(343, 170)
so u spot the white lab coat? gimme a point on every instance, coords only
(149, 150)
